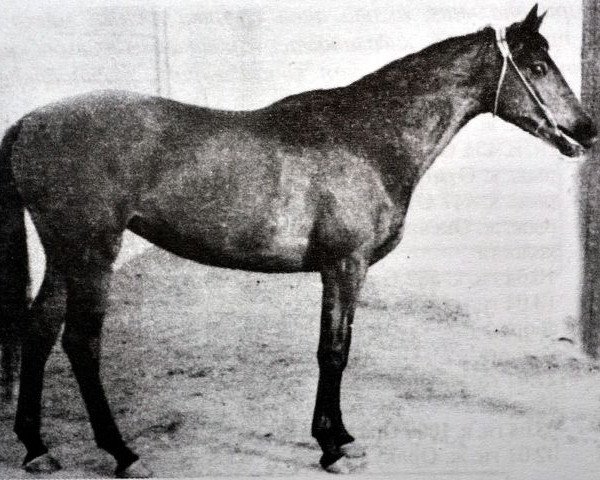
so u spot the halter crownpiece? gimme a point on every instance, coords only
(502, 45)
(507, 58)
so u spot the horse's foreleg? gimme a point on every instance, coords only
(341, 286)
(39, 336)
(87, 292)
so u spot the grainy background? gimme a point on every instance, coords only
(493, 225)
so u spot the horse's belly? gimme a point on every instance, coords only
(252, 244)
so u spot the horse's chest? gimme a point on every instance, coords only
(388, 232)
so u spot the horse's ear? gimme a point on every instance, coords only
(532, 21)
(541, 19)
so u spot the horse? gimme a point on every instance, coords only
(319, 181)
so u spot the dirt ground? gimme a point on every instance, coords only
(213, 372)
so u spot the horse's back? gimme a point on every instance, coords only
(103, 133)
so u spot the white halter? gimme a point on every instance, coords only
(508, 58)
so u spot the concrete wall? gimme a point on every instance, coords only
(493, 224)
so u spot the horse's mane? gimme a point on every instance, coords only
(441, 59)
(415, 71)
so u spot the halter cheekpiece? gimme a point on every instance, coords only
(507, 59)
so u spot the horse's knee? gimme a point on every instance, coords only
(71, 343)
(43, 321)
(79, 346)
(39, 337)
(333, 360)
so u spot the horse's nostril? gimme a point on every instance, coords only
(586, 133)
(593, 132)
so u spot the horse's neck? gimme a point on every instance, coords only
(415, 106)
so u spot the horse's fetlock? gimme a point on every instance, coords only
(24, 425)
(119, 450)
(28, 433)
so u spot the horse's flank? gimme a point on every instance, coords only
(314, 176)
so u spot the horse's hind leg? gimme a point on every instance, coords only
(88, 281)
(39, 336)
(341, 285)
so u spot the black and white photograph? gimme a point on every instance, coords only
(300, 239)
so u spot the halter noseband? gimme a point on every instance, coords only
(508, 58)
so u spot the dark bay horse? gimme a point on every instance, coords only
(320, 181)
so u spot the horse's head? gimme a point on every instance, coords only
(532, 93)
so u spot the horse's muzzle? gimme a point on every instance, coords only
(585, 133)
(573, 142)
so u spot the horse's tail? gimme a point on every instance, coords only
(14, 266)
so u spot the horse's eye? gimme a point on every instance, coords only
(539, 69)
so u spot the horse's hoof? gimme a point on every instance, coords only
(136, 470)
(45, 463)
(353, 450)
(345, 465)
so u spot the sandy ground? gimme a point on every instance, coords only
(213, 372)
